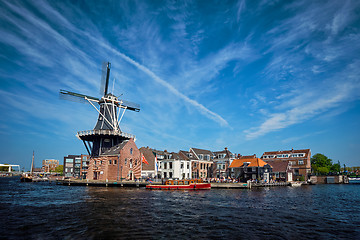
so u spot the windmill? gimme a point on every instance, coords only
(106, 132)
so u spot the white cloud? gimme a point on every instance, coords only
(310, 102)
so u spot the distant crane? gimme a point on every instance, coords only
(106, 132)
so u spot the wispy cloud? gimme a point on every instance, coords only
(205, 111)
(307, 103)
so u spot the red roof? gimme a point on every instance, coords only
(253, 162)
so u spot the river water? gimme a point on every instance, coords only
(49, 211)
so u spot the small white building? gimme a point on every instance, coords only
(175, 167)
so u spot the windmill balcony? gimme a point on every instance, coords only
(104, 132)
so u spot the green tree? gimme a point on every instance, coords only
(336, 168)
(59, 169)
(321, 164)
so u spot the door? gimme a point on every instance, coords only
(289, 177)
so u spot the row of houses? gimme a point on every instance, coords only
(126, 161)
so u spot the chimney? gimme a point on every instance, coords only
(225, 148)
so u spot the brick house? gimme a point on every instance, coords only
(298, 159)
(148, 170)
(122, 161)
(281, 171)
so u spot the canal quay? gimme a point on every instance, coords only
(143, 184)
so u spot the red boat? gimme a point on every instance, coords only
(193, 184)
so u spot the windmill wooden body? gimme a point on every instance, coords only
(106, 132)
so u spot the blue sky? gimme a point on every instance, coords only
(253, 76)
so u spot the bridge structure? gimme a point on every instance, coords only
(10, 166)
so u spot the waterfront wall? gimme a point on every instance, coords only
(329, 179)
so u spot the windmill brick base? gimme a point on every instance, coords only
(121, 162)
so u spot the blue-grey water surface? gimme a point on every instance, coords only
(49, 211)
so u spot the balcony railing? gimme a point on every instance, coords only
(105, 132)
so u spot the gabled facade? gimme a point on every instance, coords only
(222, 160)
(122, 161)
(281, 171)
(298, 159)
(250, 168)
(202, 164)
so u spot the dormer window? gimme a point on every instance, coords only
(200, 156)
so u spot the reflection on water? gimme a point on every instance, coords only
(48, 211)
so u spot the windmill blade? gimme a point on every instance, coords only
(130, 105)
(103, 78)
(76, 97)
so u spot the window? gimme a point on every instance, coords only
(165, 175)
(182, 165)
(200, 156)
(69, 160)
(84, 158)
(115, 162)
(187, 165)
(131, 151)
(170, 165)
(125, 161)
(170, 174)
(165, 165)
(130, 163)
(300, 162)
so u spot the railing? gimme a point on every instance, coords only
(105, 132)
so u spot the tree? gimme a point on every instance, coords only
(59, 169)
(336, 168)
(321, 164)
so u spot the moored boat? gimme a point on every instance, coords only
(25, 177)
(191, 184)
(28, 177)
(296, 184)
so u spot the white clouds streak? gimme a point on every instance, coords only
(206, 112)
(342, 88)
